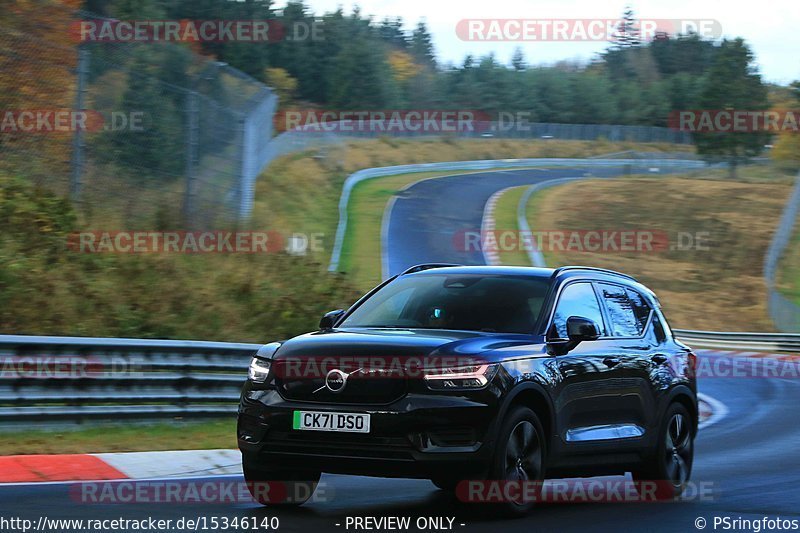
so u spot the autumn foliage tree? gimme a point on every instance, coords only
(37, 61)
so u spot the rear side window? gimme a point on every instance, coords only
(641, 309)
(577, 299)
(621, 311)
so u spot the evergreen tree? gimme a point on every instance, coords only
(627, 34)
(733, 83)
(518, 60)
(422, 46)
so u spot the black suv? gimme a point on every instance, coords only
(454, 373)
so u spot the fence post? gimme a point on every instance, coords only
(78, 143)
(192, 126)
(245, 157)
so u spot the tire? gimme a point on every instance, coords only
(668, 470)
(280, 487)
(519, 456)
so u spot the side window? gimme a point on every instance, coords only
(658, 329)
(641, 309)
(577, 299)
(620, 311)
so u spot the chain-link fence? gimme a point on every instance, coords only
(136, 133)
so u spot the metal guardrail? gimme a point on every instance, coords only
(771, 342)
(102, 380)
(784, 312)
(79, 380)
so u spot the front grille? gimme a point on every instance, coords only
(358, 389)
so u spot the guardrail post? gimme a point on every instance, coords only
(78, 143)
(192, 127)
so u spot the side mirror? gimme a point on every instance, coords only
(330, 319)
(581, 329)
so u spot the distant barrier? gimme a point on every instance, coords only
(785, 313)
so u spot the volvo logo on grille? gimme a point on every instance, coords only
(336, 380)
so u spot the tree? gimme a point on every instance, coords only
(37, 61)
(627, 34)
(362, 77)
(733, 83)
(796, 89)
(157, 151)
(518, 60)
(786, 152)
(391, 32)
(283, 84)
(422, 46)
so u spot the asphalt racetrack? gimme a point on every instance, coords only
(747, 463)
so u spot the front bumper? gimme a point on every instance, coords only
(419, 435)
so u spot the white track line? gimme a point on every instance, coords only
(718, 410)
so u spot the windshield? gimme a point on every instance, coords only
(503, 304)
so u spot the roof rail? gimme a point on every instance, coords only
(427, 266)
(593, 269)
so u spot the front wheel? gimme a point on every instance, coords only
(519, 457)
(280, 487)
(668, 471)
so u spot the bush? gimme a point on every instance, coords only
(48, 289)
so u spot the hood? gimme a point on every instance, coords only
(368, 342)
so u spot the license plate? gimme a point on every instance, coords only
(319, 421)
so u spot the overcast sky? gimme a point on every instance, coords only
(770, 26)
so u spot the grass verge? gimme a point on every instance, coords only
(205, 435)
(718, 285)
(505, 219)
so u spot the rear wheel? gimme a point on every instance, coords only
(280, 487)
(668, 471)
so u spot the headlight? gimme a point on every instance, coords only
(462, 377)
(259, 370)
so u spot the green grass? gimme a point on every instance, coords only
(505, 217)
(176, 435)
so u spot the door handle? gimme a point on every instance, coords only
(659, 359)
(611, 362)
